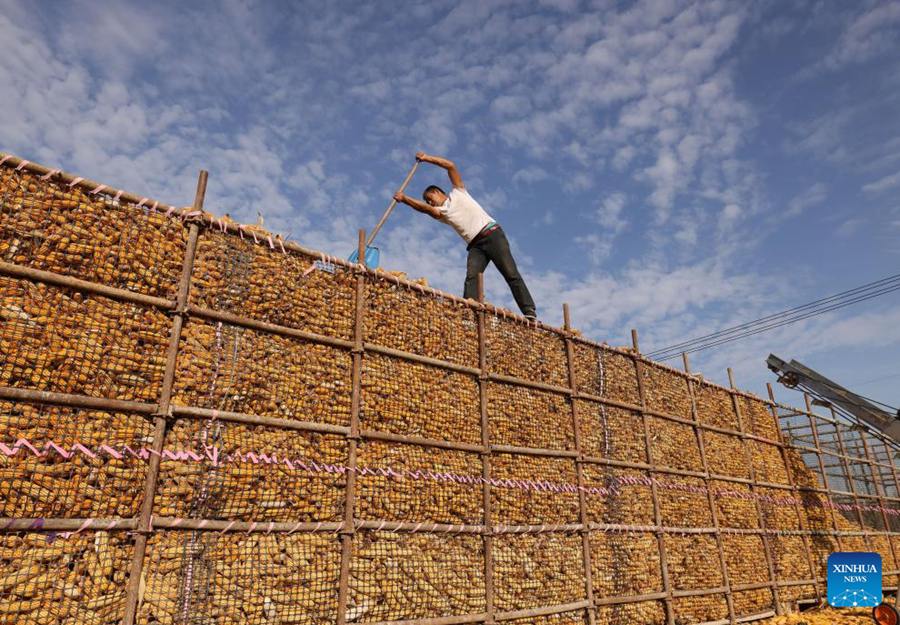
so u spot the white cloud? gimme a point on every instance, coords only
(812, 196)
(874, 31)
(883, 184)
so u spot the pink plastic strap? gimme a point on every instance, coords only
(48, 175)
(168, 212)
(23, 165)
(241, 231)
(203, 524)
(153, 206)
(228, 527)
(381, 527)
(75, 181)
(281, 244)
(5, 158)
(255, 240)
(177, 522)
(98, 189)
(222, 225)
(269, 237)
(142, 202)
(252, 527)
(271, 527)
(117, 196)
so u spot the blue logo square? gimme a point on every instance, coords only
(854, 579)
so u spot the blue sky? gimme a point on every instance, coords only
(671, 166)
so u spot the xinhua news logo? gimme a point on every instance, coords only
(854, 579)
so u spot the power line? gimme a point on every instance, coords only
(826, 300)
(833, 299)
(670, 353)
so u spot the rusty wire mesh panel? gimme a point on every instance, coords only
(629, 500)
(226, 367)
(396, 316)
(666, 391)
(619, 377)
(820, 547)
(233, 579)
(53, 465)
(529, 418)
(537, 570)
(683, 502)
(735, 507)
(768, 464)
(252, 280)
(398, 482)
(725, 454)
(638, 613)
(624, 564)
(608, 432)
(575, 617)
(835, 473)
(57, 339)
(693, 561)
(537, 505)
(221, 470)
(674, 445)
(714, 406)
(827, 432)
(881, 544)
(396, 576)
(54, 227)
(412, 399)
(46, 579)
(757, 417)
(791, 564)
(525, 352)
(778, 512)
(700, 609)
(746, 562)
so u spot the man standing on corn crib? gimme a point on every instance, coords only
(484, 237)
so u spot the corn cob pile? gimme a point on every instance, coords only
(56, 339)
(823, 616)
(239, 579)
(397, 576)
(417, 400)
(529, 418)
(50, 486)
(79, 579)
(54, 227)
(427, 499)
(399, 318)
(243, 278)
(232, 481)
(526, 352)
(532, 571)
(241, 370)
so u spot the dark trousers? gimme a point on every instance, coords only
(495, 247)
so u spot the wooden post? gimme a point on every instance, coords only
(654, 493)
(798, 510)
(488, 536)
(767, 548)
(348, 530)
(163, 412)
(579, 468)
(698, 434)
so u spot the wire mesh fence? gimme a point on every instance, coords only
(70, 462)
(313, 442)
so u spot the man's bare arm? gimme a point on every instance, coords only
(422, 207)
(455, 178)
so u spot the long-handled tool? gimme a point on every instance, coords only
(372, 253)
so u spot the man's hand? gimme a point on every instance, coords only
(399, 196)
(452, 171)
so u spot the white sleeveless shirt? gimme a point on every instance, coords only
(461, 211)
